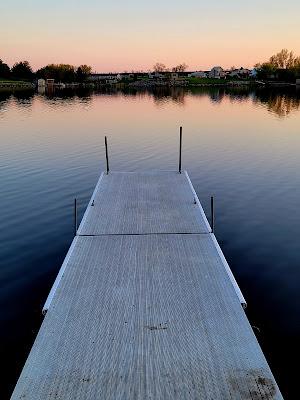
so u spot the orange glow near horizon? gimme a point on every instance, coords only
(118, 37)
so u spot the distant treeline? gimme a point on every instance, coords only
(64, 72)
(283, 66)
(60, 72)
(20, 70)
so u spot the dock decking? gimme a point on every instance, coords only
(145, 305)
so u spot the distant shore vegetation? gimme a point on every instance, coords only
(22, 71)
(281, 67)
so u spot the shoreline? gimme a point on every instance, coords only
(10, 86)
(16, 85)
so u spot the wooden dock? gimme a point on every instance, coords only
(145, 305)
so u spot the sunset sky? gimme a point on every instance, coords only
(130, 34)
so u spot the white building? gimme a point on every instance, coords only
(41, 83)
(217, 73)
(156, 75)
(198, 74)
(105, 78)
(240, 73)
(233, 73)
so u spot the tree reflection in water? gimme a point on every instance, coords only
(279, 101)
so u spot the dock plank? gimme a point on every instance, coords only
(147, 315)
(141, 203)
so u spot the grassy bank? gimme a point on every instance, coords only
(2, 80)
(206, 81)
(10, 85)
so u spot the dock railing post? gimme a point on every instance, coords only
(75, 217)
(180, 149)
(212, 214)
(106, 155)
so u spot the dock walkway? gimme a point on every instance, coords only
(145, 305)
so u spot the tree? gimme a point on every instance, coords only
(284, 59)
(296, 68)
(83, 71)
(58, 72)
(159, 67)
(86, 69)
(4, 70)
(64, 72)
(22, 70)
(180, 68)
(283, 66)
(265, 70)
(79, 74)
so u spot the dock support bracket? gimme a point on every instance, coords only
(180, 149)
(212, 214)
(75, 217)
(106, 155)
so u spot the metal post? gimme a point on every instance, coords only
(180, 149)
(106, 154)
(75, 217)
(212, 214)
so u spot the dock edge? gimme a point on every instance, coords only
(218, 248)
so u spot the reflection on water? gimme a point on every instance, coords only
(281, 102)
(242, 145)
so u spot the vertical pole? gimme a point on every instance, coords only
(180, 149)
(106, 154)
(75, 217)
(212, 214)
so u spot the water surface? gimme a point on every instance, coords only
(242, 146)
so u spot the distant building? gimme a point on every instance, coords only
(245, 72)
(198, 74)
(217, 73)
(50, 84)
(61, 85)
(41, 83)
(184, 74)
(41, 86)
(234, 73)
(105, 78)
(240, 73)
(156, 75)
(127, 76)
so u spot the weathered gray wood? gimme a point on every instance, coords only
(145, 316)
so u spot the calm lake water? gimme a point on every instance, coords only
(241, 146)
